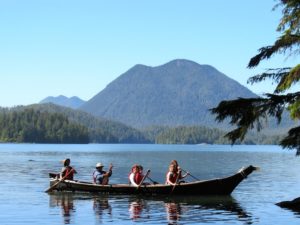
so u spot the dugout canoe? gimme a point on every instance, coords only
(218, 186)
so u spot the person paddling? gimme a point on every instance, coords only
(174, 174)
(136, 176)
(100, 176)
(67, 172)
(142, 175)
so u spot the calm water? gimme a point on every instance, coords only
(24, 177)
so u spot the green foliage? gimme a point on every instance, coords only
(189, 135)
(48, 123)
(246, 113)
(200, 135)
(100, 130)
(32, 126)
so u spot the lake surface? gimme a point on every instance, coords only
(24, 172)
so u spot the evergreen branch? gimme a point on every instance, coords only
(291, 14)
(286, 41)
(270, 74)
(292, 140)
(249, 113)
(288, 79)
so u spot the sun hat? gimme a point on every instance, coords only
(66, 161)
(99, 165)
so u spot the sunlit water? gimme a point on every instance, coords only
(24, 172)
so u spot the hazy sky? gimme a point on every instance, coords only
(76, 48)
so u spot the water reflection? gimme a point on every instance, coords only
(171, 210)
(136, 208)
(101, 207)
(65, 201)
(205, 209)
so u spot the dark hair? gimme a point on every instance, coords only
(67, 162)
(135, 166)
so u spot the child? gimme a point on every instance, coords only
(67, 172)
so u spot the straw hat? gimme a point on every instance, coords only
(65, 160)
(98, 165)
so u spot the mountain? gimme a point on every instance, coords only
(73, 102)
(180, 92)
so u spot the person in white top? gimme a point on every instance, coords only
(174, 174)
(135, 177)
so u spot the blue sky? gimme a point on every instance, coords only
(76, 48)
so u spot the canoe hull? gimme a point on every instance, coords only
(223, 186)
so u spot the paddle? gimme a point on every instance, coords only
(190, 174)
(147, 173)
(107, 175)
(154, 182)
(54, 185)
(174, 185)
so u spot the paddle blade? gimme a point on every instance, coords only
(256, 168)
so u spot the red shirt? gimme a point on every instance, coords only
(138, 177)
(172, 177)
(68, 170)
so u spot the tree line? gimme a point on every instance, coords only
(100, 130)
(199, 135)
(37, 125)
(48, 123)
(30, 126)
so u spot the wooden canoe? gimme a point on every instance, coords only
(220, 186)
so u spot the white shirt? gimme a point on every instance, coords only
(131, 179)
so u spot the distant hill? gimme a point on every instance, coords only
(177, 93)
(50, 123)
(33, 126)
(73, 102)
(100, 130)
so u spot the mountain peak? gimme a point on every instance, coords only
(73, 102)
(182, 62)
(180, 92)
(172, 63)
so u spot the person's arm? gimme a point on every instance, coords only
(183, 176)
(61, 172)
(180, 174)
(95, 177)
(131, 179)
(109, 173)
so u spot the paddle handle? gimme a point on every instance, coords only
(174, 185)
(190, 174)
(54, 185)
(146, 175)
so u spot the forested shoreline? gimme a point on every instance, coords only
(30, 126)
(200, 135)
(33, 125)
